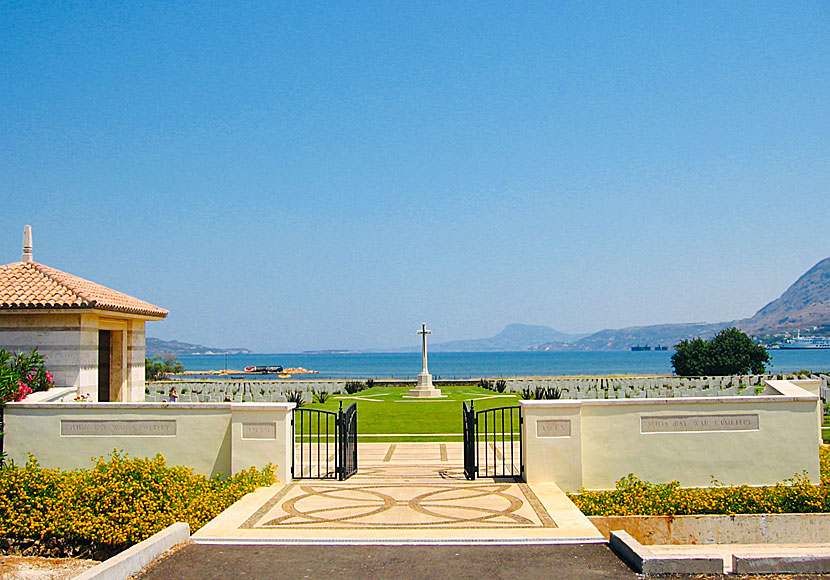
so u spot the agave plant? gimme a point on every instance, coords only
(296, 396)
(547, 393)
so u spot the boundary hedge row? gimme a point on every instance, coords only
(117, 503)
(633, 496)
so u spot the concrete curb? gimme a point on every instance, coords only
(790, 564)
(643, 560)
(135, 558)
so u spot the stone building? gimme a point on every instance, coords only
(91, 336)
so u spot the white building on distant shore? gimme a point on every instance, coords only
(91, 336)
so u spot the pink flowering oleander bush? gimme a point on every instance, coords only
(22, 374)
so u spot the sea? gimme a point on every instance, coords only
(465, 365)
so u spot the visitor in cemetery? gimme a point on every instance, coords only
(174, 396)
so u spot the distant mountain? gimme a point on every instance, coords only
(805, 305)
(514, 337)
(624, 338)
(158, 347)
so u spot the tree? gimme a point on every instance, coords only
(157, 368)
(731, 352)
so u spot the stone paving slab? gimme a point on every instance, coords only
(403, 493)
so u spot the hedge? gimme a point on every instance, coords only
(633, 496)
(117, 503)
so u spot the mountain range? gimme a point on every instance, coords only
(158, 347)
(805, 306)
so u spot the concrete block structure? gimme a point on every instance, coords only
(91, 336)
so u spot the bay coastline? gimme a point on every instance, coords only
(466, 365)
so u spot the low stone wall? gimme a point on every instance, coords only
(720, 529)
(209, 437)
(755, 440)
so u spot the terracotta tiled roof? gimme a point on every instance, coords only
(29, 285)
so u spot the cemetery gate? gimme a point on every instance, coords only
(493, 442)
(325, 443)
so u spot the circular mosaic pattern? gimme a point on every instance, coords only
(427, 505)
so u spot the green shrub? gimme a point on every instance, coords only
(117, 503)
(353, 387)
(633, 496)
(547, 393)
(485, 384)
(321, 396)
(296, 396)
(500, 385)
(528, 393)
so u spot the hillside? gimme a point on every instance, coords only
(158, 347)
(625, 338)
(514, 337)
(804, 305)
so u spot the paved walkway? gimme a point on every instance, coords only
(403, 493)
(539, 562)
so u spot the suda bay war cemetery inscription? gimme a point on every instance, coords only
(123, 428)
(693, 423)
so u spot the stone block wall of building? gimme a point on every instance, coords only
(56, 336)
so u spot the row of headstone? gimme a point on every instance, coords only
(238, 391)
(571, 388)
(654, 387)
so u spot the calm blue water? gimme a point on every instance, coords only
(486, 364)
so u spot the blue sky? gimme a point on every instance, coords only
(290, 176)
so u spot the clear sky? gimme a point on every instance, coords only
(288, 176)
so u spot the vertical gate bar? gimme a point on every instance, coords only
(475, 423)
(293, 443)
(503, 453)
(521, 447)
(302, 457)
(486, 447)
(512, 445)
(319, 461)
(339, 443)
(327, 446)
(354, 449)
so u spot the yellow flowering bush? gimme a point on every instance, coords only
(117, 503)
(633, 496)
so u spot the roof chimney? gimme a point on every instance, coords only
(27, 245)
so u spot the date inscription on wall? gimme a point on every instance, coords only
(259, 430)
(124, 428)
(692, 423)
(553, 428)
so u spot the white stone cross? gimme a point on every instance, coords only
(424, 332)
(424, 388)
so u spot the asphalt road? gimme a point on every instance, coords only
(204, 562)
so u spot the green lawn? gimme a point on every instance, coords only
(383, 410)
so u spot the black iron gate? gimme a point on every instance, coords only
(325, 443)
(493, 442)
(347, 442)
